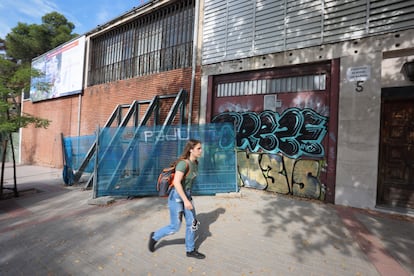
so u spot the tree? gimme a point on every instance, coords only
(26, 42)
(13, 78)
(2, 45)
(58, 28)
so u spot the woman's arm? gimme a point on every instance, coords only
(179, 188)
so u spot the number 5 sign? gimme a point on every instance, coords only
(359, 75)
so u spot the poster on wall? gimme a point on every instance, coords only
(61, 71)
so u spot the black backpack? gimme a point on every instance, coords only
(165, 179)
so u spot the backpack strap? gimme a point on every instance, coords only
(187, 168)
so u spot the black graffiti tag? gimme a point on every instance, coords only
(295, 133)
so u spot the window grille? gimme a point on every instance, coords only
(153, 43)
(272, 86)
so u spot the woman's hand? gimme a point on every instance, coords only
(188, 205)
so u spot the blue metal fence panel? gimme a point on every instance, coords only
(130, 161)
(75, 151)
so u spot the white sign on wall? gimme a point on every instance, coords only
(271, 102)
(62, 71)
(360, 73)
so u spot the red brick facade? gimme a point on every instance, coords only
(44, 147)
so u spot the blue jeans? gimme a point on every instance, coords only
(177, 210)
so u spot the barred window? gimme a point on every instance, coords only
(153, 43)
(277, 85)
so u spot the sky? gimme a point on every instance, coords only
(84, 14)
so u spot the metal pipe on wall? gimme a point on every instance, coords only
(194, 62)
(79, 112)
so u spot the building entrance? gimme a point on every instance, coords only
(396, 166)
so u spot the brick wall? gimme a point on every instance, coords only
(44, 147)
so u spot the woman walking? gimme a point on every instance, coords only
(180, 201)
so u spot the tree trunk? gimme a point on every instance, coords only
(16, 193)
(3, 163)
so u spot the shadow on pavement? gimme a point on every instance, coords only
(316, 227)
(203, 232)
(207, 219)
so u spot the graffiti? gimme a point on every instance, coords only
(174, 134)
(273, 150)
(130, 163)
(281, 174)
(295, 133)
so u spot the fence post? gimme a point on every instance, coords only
(95, 167)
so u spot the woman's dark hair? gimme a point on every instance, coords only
(188, 147)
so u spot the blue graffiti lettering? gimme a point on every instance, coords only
(295, 132)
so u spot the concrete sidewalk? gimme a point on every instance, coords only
(54, 231)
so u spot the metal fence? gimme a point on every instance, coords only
(129, 164)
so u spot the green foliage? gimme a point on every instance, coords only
(22, 44)
(6, 125)
(21, 77)
(7, 69)
(26, 42)
(58, 28)
(13, 79)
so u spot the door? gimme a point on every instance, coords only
(396, 167)
(286, 125)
